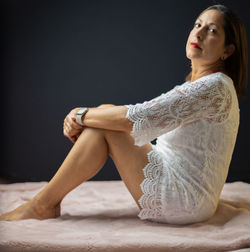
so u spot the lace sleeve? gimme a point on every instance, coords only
(202, 99)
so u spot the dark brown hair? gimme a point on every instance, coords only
(236, 65)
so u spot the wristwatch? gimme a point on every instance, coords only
(79, 115)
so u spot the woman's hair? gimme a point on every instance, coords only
(236, 65)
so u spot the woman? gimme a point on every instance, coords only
(178, 180)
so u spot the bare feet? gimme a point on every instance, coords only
(31, 210)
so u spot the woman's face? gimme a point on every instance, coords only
(206, 40)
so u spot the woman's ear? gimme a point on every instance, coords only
(229, 51)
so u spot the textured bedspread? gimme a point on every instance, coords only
(102, 216)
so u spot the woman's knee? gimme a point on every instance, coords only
(92, 133)
(107, 134)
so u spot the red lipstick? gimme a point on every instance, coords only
(195, 45)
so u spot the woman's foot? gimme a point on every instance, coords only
(31, 210)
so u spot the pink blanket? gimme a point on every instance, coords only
(102, 216)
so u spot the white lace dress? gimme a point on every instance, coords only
(196, 126)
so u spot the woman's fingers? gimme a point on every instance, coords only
(71, 121)
(68, 133)
(74, 124)
(71, 129)
(66, 130)
(72, 139)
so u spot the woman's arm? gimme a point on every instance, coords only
(108, 117)
(105, 116)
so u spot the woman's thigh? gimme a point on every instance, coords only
(129, 160)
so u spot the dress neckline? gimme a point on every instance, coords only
(212, 74)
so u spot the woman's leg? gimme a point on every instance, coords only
(85, 159)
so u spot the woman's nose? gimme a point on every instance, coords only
(199, 34)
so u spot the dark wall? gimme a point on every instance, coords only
(58, 55)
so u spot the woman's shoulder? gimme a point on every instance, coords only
(209, 86)
(205, 85)
(212, 81)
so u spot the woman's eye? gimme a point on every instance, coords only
(212, 30)
(198, 25)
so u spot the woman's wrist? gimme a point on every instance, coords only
(80, 115)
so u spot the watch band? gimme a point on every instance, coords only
(80, 113)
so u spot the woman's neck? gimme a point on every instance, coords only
(200, 71)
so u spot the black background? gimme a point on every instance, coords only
(58, 55)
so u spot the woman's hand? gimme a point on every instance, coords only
(71, 129)
(105, 116)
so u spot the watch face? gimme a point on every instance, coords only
(81, 111)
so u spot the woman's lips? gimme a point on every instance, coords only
(195, 45)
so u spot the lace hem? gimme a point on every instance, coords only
(151, 200)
